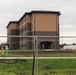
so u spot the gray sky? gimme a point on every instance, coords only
(12, 10)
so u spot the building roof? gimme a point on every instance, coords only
(11, 22)
(29, 13)
(46, 12)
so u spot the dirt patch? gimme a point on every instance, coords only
(12, 61)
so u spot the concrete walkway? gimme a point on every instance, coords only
(38, 57)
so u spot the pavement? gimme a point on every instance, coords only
(36, 57)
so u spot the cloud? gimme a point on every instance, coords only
(14, 9)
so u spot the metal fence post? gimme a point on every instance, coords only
(35, 57)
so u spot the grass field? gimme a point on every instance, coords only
(46, 67)
(57, 67)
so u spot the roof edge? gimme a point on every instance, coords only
(11, 22)
(40, 11)
(36, 11)
(27, 13)
(44, 11)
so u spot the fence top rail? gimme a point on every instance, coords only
(59, 36)
(42, 36)
(16, 36)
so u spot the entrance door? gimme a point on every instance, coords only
(46, 45)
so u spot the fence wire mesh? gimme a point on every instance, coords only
(24, 45)
(56, 46)
(16, 55)
(17, 46)
(39, 47)
(50, 51)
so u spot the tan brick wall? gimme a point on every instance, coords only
(28, 18)
(25, 20)
(13, 26)
(45, 22)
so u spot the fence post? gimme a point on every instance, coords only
(35, 56)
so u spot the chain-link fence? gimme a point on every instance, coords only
(57, 46)
(16, 55)
(17, 45)
(24, 45)
(28, 49)
(56, 55)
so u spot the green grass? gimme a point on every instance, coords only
(29, 53)
(46, 67)
(19, 68)
(57, 67)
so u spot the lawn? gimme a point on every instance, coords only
(15, 67)
(54, 66)
(57, 67)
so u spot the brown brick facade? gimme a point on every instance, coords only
(41, 23)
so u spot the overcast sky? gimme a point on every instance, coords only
(12, 10)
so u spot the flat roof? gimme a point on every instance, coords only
(45, 12)
(29, 13)
(11, 22)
